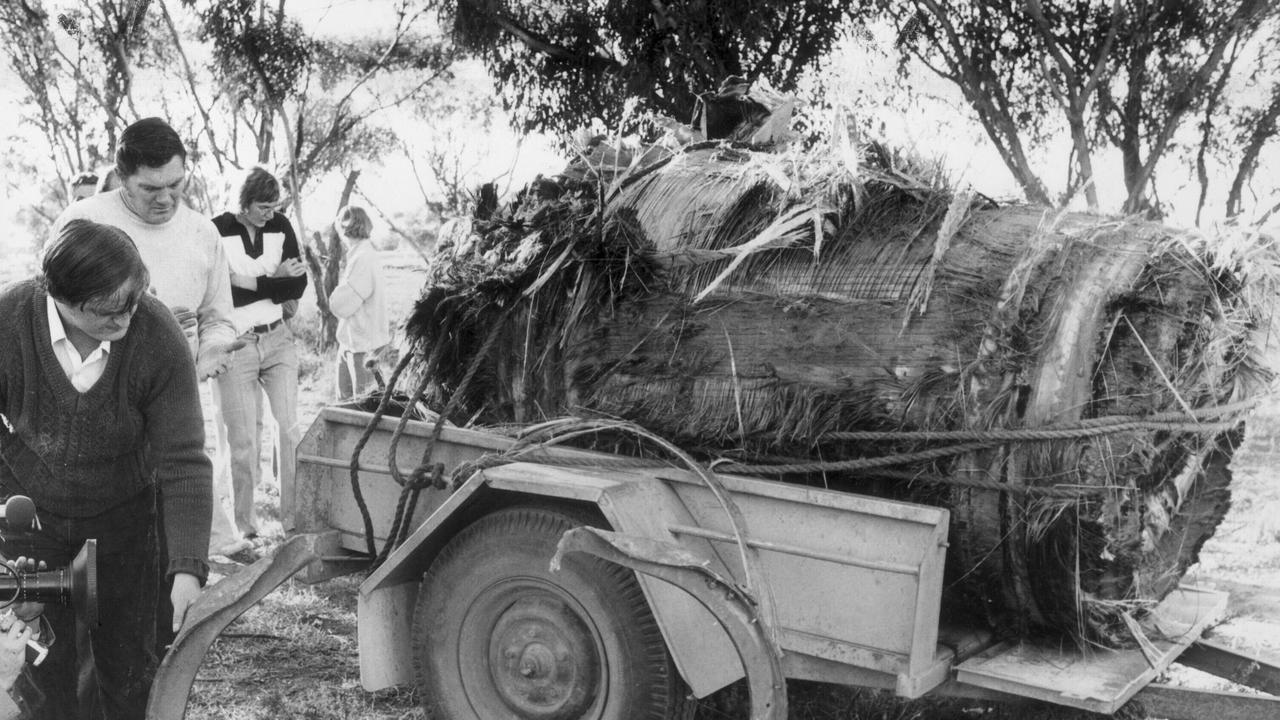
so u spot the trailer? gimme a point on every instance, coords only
(566, 583)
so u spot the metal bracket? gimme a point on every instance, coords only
(216, 608)
(733, 609)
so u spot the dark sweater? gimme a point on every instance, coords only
(275, 289)
(81, 454)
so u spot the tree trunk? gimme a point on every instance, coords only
(324, 256)
(633, 316)
(1264, 129)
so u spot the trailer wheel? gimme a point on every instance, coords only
(498, 635)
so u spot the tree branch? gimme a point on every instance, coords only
(540, 44)
(413, 242)
(191, 85)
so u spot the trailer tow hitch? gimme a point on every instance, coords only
(212, 613)
(734, 610)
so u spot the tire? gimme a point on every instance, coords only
(498, 636)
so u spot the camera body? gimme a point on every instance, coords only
(74, 586)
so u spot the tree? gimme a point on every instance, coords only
(560, 65)
(77, 70)
(1257, 123)
(1127, 74)
(324, 255)
(322, 96)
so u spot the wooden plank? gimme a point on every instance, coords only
(1180, 703)
(1098, 680)
(1239, 666)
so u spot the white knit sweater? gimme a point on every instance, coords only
(185, 257)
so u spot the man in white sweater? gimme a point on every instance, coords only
(182, 248)
(189, 273)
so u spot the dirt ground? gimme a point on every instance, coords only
(294, 655)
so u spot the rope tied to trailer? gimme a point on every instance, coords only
(880, 466)
(426, 474)
(1205, 420)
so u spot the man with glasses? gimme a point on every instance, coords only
(266, 272)
(102, 429)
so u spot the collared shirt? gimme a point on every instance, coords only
(184, 255)
(82, 372)
(258, 252)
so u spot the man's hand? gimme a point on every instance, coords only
(28, 610)
(186, 318)
(215, 358)
(14, 635)
(186, 589)
(292, 267)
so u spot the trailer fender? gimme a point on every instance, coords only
(631, 503)
(737, 613)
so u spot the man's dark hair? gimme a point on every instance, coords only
(89, 261)
(84, 178)
(259, 186)
(150, 142)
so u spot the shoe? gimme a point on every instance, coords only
(231, 549)
(244, 557)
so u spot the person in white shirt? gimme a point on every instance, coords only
(359, 303)
(180, 247)
(266, 272)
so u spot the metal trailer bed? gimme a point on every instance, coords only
(779, 582)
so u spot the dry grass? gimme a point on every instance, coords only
(294, 656)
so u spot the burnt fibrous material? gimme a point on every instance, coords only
(759, 308)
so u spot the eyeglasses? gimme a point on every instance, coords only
(125, 311)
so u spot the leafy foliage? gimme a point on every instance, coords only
(324, 91)
(257, 60)
(76, 66)
(560, 65)
(1128, 74)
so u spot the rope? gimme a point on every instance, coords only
(359, 448)
(1079, 430)
(411, 489)
(987, 439)
(393, 451)
(408, 487)
(858, 463)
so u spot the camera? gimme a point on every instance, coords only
(74, 586)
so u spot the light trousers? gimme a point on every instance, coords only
(266, 365)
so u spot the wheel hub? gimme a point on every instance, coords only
(543, 659)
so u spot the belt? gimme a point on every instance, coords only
(263, 329)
